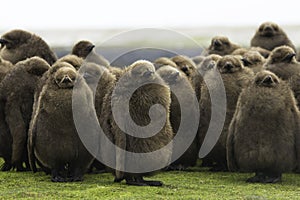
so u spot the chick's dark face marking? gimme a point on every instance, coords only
(266, 79)
(282, 54)
(169, 74)
(91, 73)
(268, 29)
(13, 39)
(142, 71)
(220, 43)
(252, 58)
(229, 64)
(65, 77)
(83, 48)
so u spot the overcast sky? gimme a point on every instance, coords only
(57, 14)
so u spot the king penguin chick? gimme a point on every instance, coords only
(86, 50)
(222, 46)
(282, 62)
(235, 78)
(136, 79)
(270, 35)
(54, 135)
(264, 132)
(254, 60)
(207, 64)
(17, 95)
(182, 99)
(18, 45)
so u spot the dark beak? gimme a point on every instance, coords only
(268, 31)
(228, 66)
(3, 41)
(246, 62)
(211, 65)
(184, 69)
(268, 28)
(147, 74)
(217, 43)
(90, 48)
(289, 57)
(66, 79)
(268, 80)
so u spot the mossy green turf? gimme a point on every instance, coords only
(198, 183)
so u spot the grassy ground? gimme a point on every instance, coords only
(195, 184)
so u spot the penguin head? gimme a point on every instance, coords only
(282, 54)
(15, 38)
(266, 79)
(229, 64)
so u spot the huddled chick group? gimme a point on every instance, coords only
(48, 106)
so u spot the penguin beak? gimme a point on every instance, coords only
(228, 66)
(147, 74)
(66, 79)
(217, 43)
(157, 66)
(246, 62)
(268, 28)
(90, 48)
(3, 41)
(184, 69)
(289, 57)
(268, 31)
(211, 65)
(268, 80)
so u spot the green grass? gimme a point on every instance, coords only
(195, 184)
